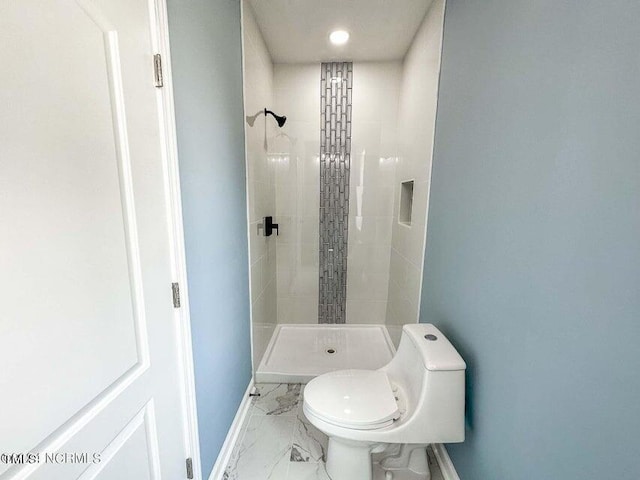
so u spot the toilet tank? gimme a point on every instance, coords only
(430, 374)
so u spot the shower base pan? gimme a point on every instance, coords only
(298, 353)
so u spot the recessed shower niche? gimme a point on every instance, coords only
(406, 203)
(359, 121)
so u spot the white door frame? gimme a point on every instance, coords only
(166, 110)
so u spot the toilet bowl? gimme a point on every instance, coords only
(414, 400)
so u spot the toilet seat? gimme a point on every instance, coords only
(357, 399)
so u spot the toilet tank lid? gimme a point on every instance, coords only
(436, 350)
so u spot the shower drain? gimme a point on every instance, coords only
(331, 350)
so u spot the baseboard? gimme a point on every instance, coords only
(232, 436)
(444, 462)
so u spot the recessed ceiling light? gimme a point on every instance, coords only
(339, 37)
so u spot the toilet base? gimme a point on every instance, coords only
(349, 460)
(380, 473)
(409, 463)
(411, 457)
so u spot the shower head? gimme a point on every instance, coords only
(281, 119)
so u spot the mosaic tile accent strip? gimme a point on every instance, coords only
(336, 86)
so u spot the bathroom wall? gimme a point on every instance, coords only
(261, 175)
(296, 154)
(532, 266)
(206, 61)
(416, 120)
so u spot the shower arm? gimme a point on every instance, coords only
(280, 119)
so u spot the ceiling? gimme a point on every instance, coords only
(297, 31)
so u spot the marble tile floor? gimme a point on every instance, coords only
(277, 442)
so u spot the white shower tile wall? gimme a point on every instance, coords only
(297, 95)
(374, 143)
(416, 126)
(261, 174)
(373, 162)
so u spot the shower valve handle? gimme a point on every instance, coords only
(269, 227)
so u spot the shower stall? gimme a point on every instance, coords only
(345, 176)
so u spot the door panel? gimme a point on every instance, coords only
(87, 332)
(135, 441)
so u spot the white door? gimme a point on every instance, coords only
(88, 354)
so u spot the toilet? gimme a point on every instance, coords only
(414, 400)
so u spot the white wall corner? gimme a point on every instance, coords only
(217, 473)
(444, 462)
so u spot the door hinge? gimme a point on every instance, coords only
(175, 291)
(157, 69)
(189, 468)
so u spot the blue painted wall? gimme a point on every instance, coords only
(207, 74)
(533, 250)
